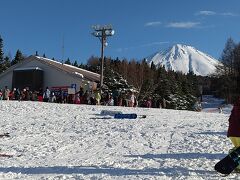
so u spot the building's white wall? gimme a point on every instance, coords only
(52, 76)
(6, 80)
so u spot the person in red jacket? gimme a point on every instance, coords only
(234, 124)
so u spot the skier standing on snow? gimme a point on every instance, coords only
(132, 99)
(98, 97)
(46, 95)
(6, 92)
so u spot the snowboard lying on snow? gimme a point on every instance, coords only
(128, 116)
(229, 163)
(118, 115)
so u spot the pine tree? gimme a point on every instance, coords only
(153, 66)
(226, 72)
(68, 61)
(237, 71)
(7, 62)
(82, 66)
(75, 63)
(227, 58)
(1, 55)
(1, 48)
(93, 64)
(18, 57)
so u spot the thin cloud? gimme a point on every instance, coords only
(154, 23)
(154, 44)
(212, 13)
(184, 25)
(142, 46)
(229, 14)
(206, 13)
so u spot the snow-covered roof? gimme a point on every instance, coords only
(70, 69)
(77, 73)
(27, 68)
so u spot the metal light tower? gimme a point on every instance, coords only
(102, 32)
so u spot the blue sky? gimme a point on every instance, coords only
(142, 27)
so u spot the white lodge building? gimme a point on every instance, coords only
(38, 73)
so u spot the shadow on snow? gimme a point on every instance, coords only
(171, 171)
(213, 133)
(179, 156)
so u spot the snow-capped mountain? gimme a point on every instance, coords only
(185, 59)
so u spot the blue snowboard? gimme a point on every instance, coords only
(125, 116)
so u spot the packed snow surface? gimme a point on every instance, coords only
(64, 141)
(185, 59)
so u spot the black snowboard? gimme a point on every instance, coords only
(229, 163)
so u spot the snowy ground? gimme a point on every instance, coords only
(60, 141)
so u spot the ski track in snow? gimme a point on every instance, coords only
(61, 141)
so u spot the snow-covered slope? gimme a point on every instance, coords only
(185, 59)
(62, 141)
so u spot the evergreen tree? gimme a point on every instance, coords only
(82, 66)
(180, 91)
(153, 66)
(18, 57)
(237, 72)
(93, 64)
(7, 62)
(227, 58)
(75, 63)
(1, 55)
(227, 72)
(68, 61)
(44, 55)
(1, 49)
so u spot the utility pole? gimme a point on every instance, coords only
(102, 32)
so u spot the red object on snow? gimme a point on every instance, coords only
(40, 98)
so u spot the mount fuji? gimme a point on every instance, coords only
(185, 59)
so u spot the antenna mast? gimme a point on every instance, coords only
(62, 48)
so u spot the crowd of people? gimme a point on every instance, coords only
(91, 97)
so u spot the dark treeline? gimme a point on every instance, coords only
(180, 91)
(6, 61)
(226, 81)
